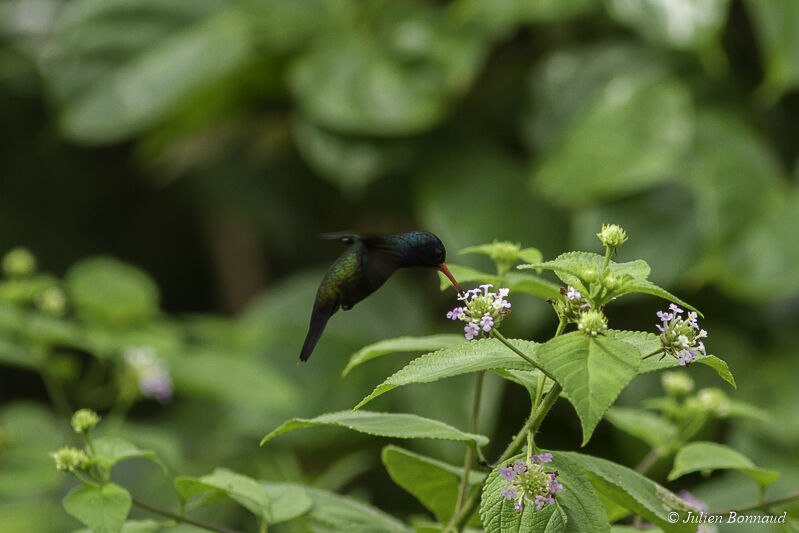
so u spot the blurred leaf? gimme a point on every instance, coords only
(40, 515)
(633, 491)
(496, 18)
(233, 380)
(28, 433)
(655, 430)
(286, 501)
(350, 163)
(676, 23)
(397, 73)
(592, 372)
(576, 505)
(331, 512)
(776, 25)
(402, 344)
(103, 509)
(111, 450)
(138, 526)
(118, 69)
(475, 356)
(708, 456)
(108, 292)
(433, 483)
(402, 426)
(243, 490)
(759, 265)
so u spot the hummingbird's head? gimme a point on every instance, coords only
(423, 248)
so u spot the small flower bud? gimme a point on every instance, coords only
(589, 275)
(612, 235)
(592, 323)
(19, 262)
(714, 400)
(84, 420)
(677, 383)
(52, 301)
(610, 281)
(68, 459)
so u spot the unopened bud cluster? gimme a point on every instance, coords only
(612, 235)
(84, 420)
(482, 310)
(677, 383)
(68, 459)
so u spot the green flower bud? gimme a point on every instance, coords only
(52, 301)
(19, 262)
(592, 323)
(68, 459)
(714, 400)
(589, 274)
(610, 281)
(612, 235)
(677, 383)
(84, 420)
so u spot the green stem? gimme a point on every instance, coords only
(497, 335)
(467, 464)
(178, 518)
(650, 459)
(653, 352)
(755, 506)
(608, 253)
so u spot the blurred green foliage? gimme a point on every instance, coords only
(208, 141)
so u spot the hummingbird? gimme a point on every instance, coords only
(364, 267)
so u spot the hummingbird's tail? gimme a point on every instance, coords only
(319, 317)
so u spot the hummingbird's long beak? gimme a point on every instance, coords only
(443, 268)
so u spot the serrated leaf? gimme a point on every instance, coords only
(286, 501)
(592, 372)
(655, 430)
(111, 450)
(402, 344)
(584, 265)
(483, 354)
(633, 491)
(434, 483)
(647, 287)
(401, 426)
(577, 507)
(103, 509)
(334, 512)
(222, 482)
(708, 456)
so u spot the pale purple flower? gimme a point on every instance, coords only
(554, 486)
(503, 292)
(471, 330)
(486, 322)
(676, 309)
(152, 374)
(664, 316)
(509, 492)
(519, 467)
(518, 507)
(541, 501)
(542, 458)
(507, 473)
(455, 314)
(573, 294)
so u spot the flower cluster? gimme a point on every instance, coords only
(593, 323)
(681, 337)
(482, 310)
(68, 459)
(529, 483)
(573, 306)
(153, 377)
(612, 235)
(84, 420)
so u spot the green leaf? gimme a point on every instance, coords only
(139, 526)
(577, 507)
(580, 268)
(222, 482)
(483, 354)
(645, 130)
(109, 292)
(397, 80)
(531, 284)
(526, 378)
(655, 430)
(708, 456)
(647, 287)
(111, 450)
(103, 509)
(286, 501)
(645, 343)
(777, 34)
(340, 513)
(592, 372)
(402, 344)
(118, 69)
(498, 18)
(401, 426)
(433, 483)
(681, 24)
(633, 491)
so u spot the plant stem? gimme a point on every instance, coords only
(497, 335)
(608, 253)
(768, 503)
(650, 354)
(178, 518)
(467, 464)
(650, 459)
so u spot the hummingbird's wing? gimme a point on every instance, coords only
(379, 260)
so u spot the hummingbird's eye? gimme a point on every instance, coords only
(439, 255)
